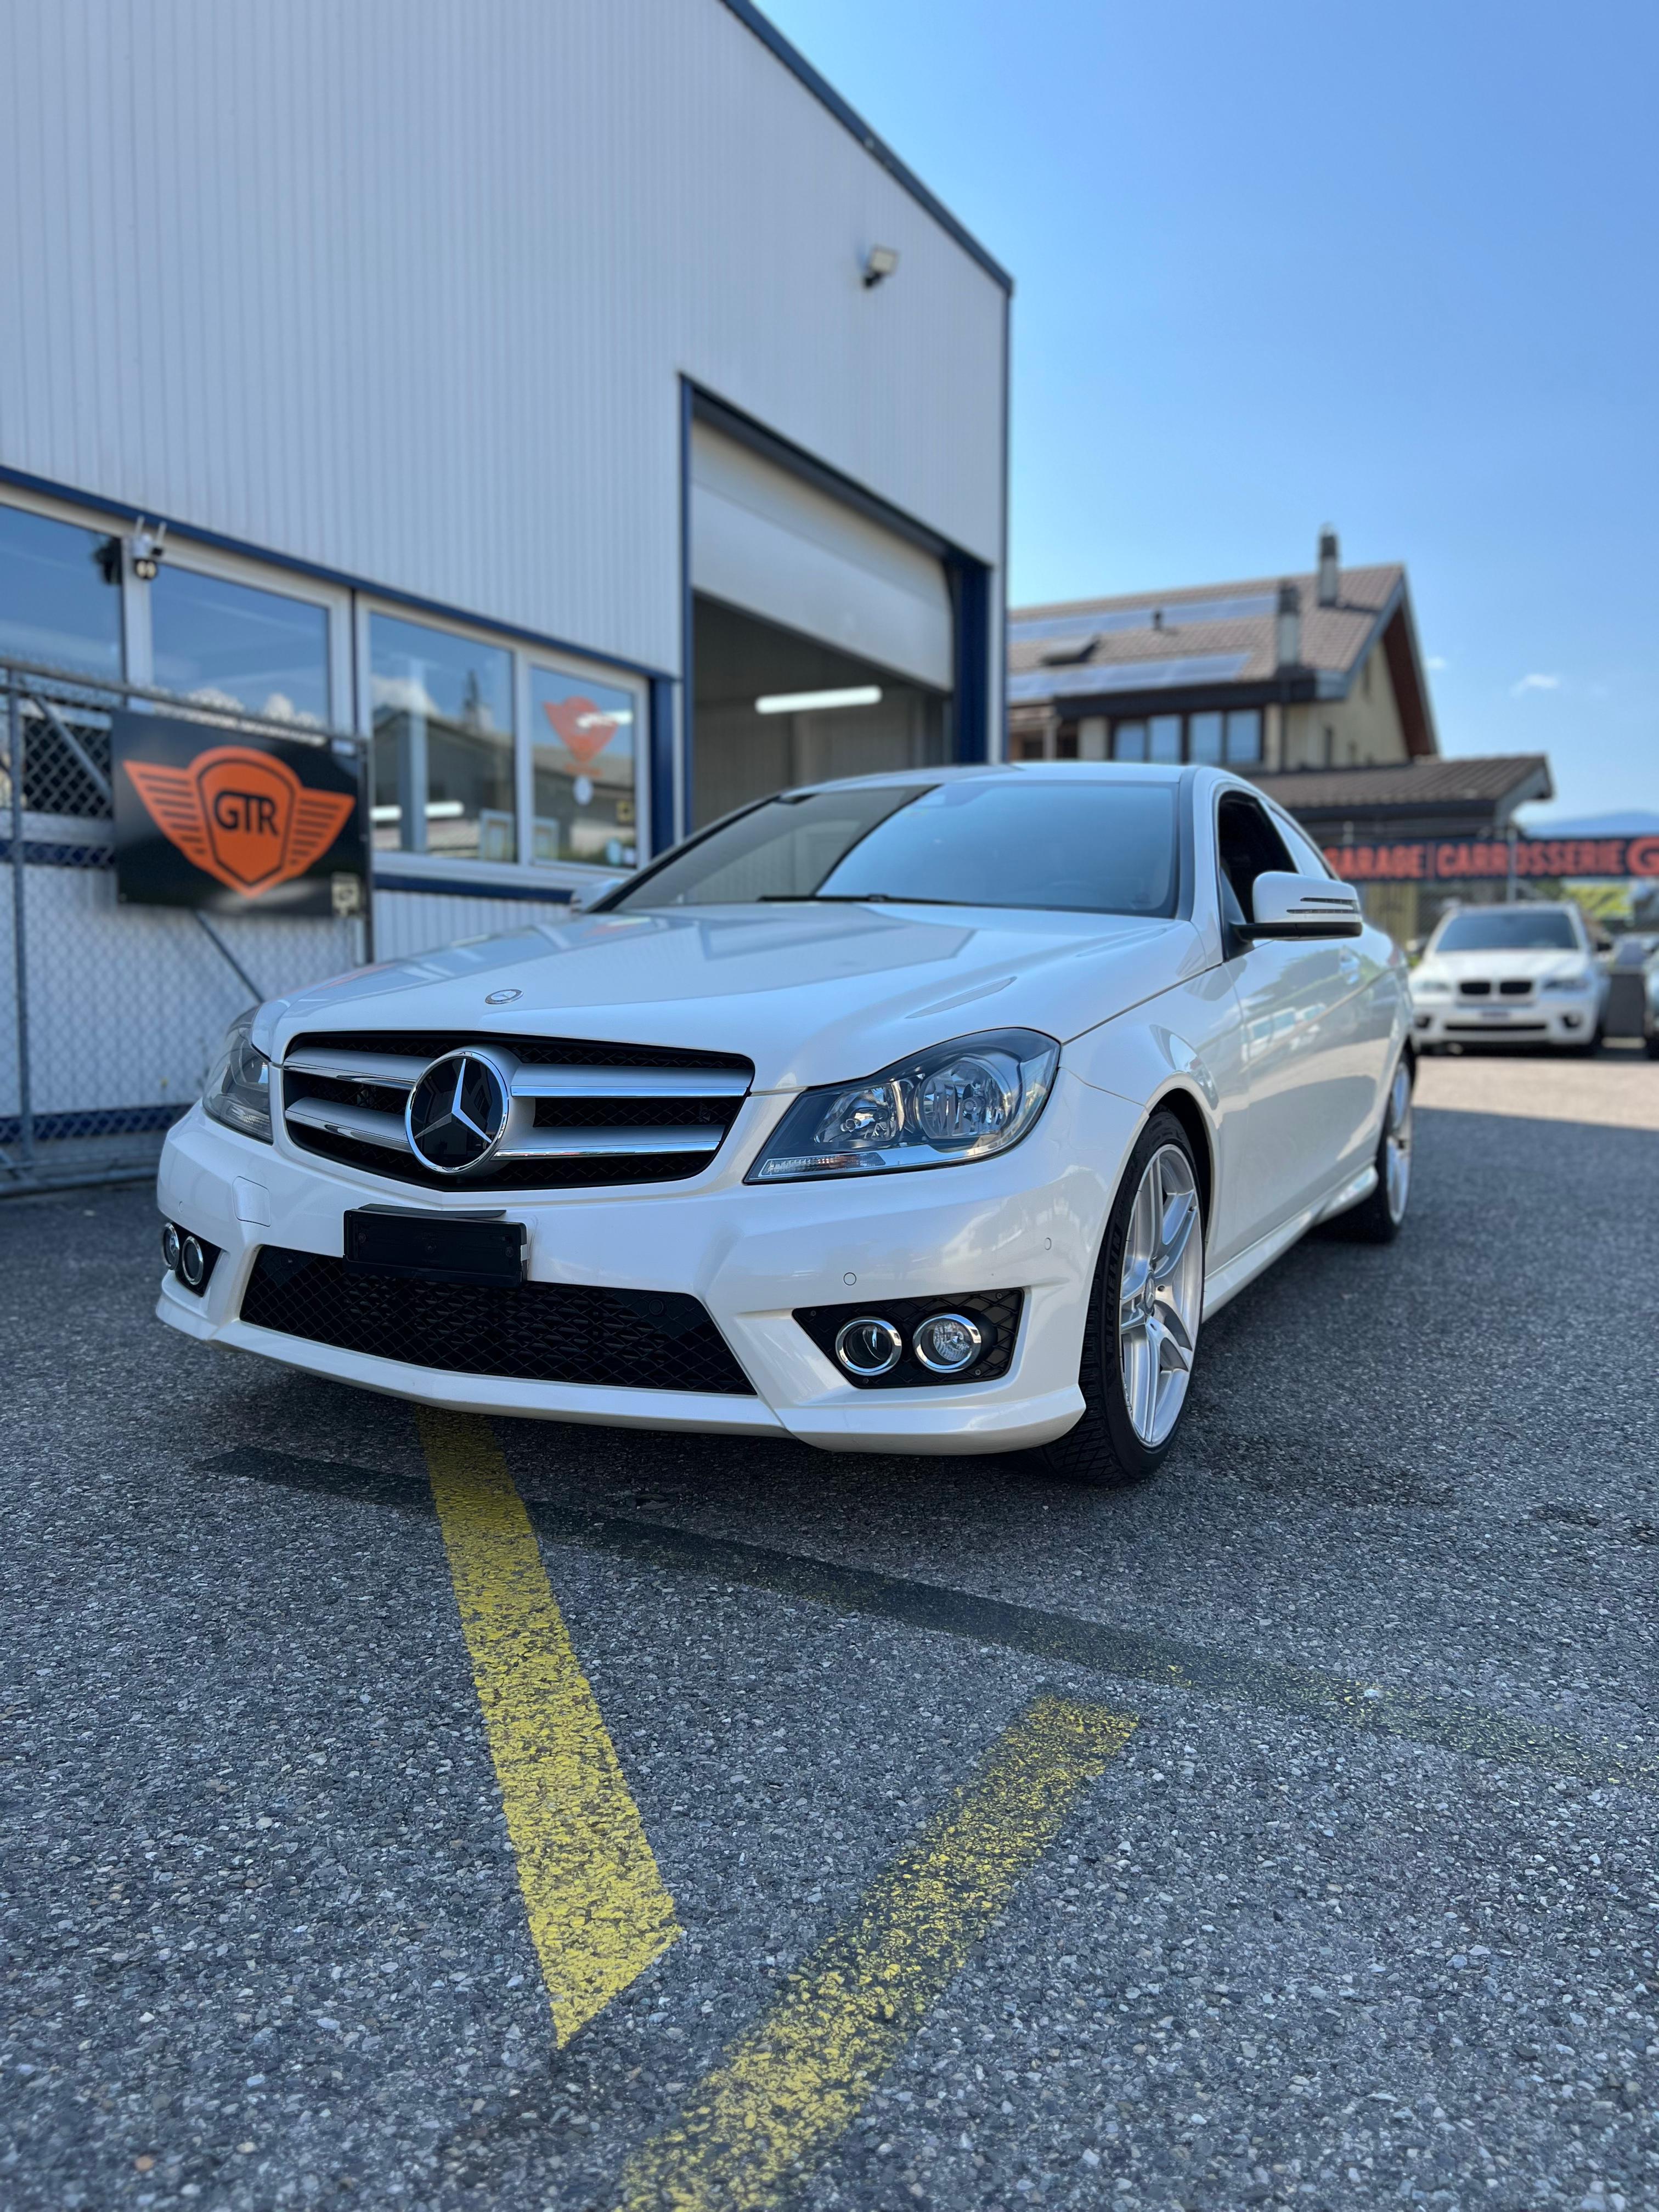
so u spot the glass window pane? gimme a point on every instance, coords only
(1244, 736)
(234, 646)
(1164, 731)
(443, 742)
(60, 593)
(1129, 741)
(584, 739)
(1203, 740)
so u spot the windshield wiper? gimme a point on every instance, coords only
(856, 898)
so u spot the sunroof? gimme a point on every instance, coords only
(1126, 675)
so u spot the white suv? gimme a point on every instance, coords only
(1497, 974)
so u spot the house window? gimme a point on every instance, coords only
(1243, 736)
(230, 645)
(1129, 741)
(1203, 740)
(443, 742)
(60, 593)
(584, 735)
(1066, 742)
(1031, 746)
(1163, 737)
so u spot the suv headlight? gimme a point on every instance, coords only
(1431, 987)
(961, 1100)
(239, 1090)
(1576, 979)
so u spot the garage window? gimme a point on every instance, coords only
(443, 742)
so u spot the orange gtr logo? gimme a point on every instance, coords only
(241, 816)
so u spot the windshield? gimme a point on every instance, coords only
(1096, 848)
(1509, 929)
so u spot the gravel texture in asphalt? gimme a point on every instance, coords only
(1364, 1914)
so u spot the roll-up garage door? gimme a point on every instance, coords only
(764, 541)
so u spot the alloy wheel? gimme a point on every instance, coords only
(1397, 1145)
(1160, 1294)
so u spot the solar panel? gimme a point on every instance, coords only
(1126, 676)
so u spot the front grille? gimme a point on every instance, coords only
(1474, 990)
(581, 1114)
(996, 1312)
(537, 1332)
(1518, 987)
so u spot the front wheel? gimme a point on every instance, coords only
(1141, 1337)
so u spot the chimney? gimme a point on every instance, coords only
(1330, 576)
(1290, 626)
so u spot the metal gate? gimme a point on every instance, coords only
(111, 1016)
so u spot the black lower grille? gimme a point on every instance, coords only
(538, 1333)
(996, 1312)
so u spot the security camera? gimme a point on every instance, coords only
(879, 262)
(147, 548)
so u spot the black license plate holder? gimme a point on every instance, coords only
(435, 1248)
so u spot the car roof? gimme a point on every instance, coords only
(1169, 775)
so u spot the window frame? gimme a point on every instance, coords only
(524, 870)
(183, 552)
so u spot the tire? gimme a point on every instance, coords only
(1107, 1448)
(1379, 1218)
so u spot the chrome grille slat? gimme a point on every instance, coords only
(332, 1119)
(611, 1144)
(629, 1083)
(391, 1068)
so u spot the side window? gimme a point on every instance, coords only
(1305, 856)
(1248, 846)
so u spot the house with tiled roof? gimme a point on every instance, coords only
(1319, 670)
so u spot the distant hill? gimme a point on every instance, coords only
(1631, 822)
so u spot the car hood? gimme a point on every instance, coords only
(1532, 967)
(809, 995)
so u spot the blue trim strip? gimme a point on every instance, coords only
(849, 118)
(39, 853)
(970, 599)
(662, 766)
(458, 887)
(440, 610)
(94, 1122)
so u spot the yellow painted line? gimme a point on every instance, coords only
(773, 2107)
(598, 1909)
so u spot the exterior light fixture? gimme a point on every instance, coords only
(811, 703)
(147, 546)
(879, 263)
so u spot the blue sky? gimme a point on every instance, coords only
(1395, 270)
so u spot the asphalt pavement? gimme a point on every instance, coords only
(1280, 1832)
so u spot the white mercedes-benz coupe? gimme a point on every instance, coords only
(926, 1112)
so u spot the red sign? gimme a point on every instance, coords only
(1486, 860)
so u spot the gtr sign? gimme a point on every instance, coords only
(255, 824)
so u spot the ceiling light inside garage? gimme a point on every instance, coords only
(811, 703)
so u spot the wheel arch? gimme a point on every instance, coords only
(1188, 1110)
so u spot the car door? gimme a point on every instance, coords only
(1289, 997)
(1360, 1029)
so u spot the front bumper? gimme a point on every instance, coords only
(1030, 1220)
(1555, 1018)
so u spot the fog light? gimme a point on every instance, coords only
(869, 1346)
(947, 1343)
(193, 1263)
(170, 1245)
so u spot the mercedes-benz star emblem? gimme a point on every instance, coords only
(456, 1113)
(501, 998)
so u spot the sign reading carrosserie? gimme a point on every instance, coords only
(234, 822)
(1485, 860)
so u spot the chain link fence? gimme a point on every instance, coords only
(111, 1016)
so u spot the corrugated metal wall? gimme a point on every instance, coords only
(404, 287)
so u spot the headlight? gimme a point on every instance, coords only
(239, 1090)
(1431, 987)
(1576, 979)
(961, 1100)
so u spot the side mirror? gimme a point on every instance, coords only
(589, 894)
(1303, 906)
